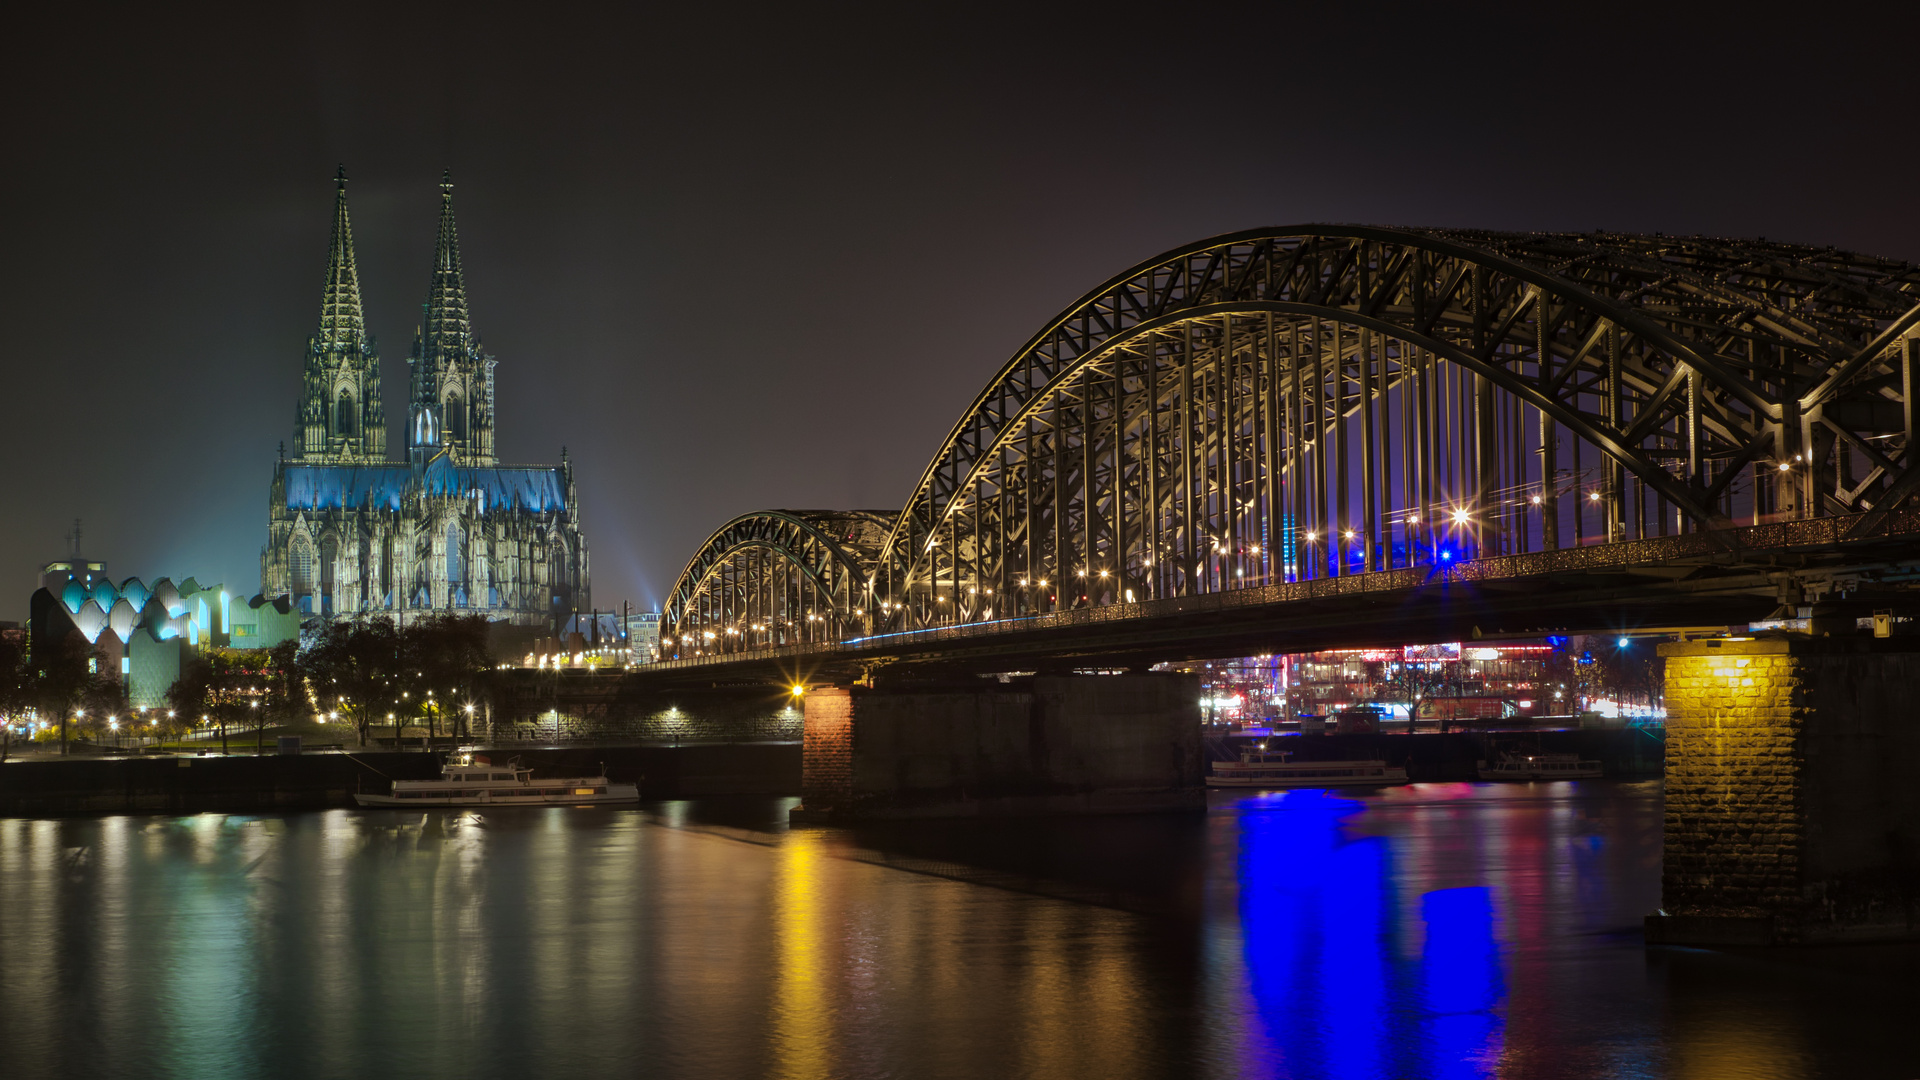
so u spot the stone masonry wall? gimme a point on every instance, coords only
(1790, 800)
(826, 758)
(1734, 818)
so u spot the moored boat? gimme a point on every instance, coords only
(476, 781)
(1539, 766)
(1261, 769)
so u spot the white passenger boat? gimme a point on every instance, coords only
(1261, 769)
(476, 781)
(1511, 766)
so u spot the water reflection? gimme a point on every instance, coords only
(1431, 931)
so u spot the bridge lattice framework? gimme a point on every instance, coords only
(1294, 404)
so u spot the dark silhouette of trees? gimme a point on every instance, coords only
(451, 664)
(351, 669)
(16, 688)
(68, 686)
(216, 685)
(367, 669)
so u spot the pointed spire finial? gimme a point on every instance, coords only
(444, 328)
(342, 322)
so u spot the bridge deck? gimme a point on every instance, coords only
(1701, 579)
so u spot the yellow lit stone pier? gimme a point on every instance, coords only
(1792, 792)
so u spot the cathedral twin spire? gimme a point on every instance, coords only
(452, 383)
(444, 330)
(341, 420)
(342, 322)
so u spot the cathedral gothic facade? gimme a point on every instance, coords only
(446, 529)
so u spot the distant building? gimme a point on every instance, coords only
(132, 628)
(643, 636)
(446, 529)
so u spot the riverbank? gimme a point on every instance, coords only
(245, 783)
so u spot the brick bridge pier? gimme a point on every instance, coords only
(1792, 792)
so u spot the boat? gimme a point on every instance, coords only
(1261, 769)
(467, 780)
(1539, 766)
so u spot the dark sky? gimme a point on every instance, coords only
(739, 257)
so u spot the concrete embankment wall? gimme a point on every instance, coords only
(1043, 744)
(1431, 757)
(547, 707)
(312, 781)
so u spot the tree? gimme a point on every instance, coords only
(351, 669)
(215, 685)
(67, 683)
(1421, 679)
(451, 664)
(16, 688)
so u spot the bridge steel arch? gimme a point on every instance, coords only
(1292, 403)
(775, 577)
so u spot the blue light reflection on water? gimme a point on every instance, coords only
(1337, 990)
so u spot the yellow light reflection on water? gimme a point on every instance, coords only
(802, 1013)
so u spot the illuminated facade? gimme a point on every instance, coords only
(141, 631)
(448, 528)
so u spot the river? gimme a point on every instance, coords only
(1435, 930)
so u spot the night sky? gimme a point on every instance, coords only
(745, 258)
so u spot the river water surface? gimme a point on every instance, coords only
(1436, 930)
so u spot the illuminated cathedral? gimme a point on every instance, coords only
(447, 528)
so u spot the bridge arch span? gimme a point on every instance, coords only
(1271, 396)
(775, 577)
(1319, 401)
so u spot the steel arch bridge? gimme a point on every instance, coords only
(1292, 404)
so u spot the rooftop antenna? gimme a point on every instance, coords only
(74, 539)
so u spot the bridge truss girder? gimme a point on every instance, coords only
(775, 577)
(1297, 403)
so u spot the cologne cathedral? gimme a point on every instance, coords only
(447, 528)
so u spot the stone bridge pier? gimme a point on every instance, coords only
(1792, 792)
(1031, 745)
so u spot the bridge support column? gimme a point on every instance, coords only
(1037, 745)
(826, 749)
(1792, 807)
